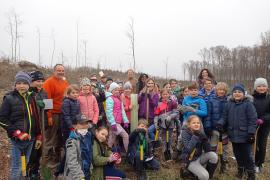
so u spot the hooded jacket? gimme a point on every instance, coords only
(262, 105)
(198, 104)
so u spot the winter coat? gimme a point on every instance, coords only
(78, 156)
(127, 103)
(70, 108)
(134, 144)
(101, 98)
(115, 110)
(215, 107)
(202, 94)
(240, 120)
(163, 111)
(197, 103)
(100, 159)
(20, 113)
(89, 107)
(153, 103)
(262, 105)
(191, 142)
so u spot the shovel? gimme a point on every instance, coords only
(220, 153)
(167, 152)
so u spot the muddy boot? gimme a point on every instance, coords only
(251, 175)
(141, 175)
(240, 173)
(211, 167)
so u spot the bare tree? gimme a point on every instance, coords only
(166, 68)
(85, 44)
(39, 57)
(131, 36)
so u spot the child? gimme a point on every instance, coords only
(70, 109)
(262, 105)
(20, 117)
(148, 101)
(196, 150)
(36, 86)
(208, 89)
(166, 115)
(116, 116)
(176, 90)
(193, 104)
(79, 150)
(88, 102)
(167, 86)
(127, 99)
(215, 108)
(103, 159)
(239, 117)
(136, 138)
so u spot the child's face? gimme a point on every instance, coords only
(37, 84)
(127, 92)
(22, 87)
(102, 135)
(220, 92)
(186, 92)
(86, 89)
(173, 84)
(238, 95)
(142, 126)
(208, 85)
(74, 94)
(84, 125)
(261, 89)
(193, 92)
(116, 92)
(168, 87)
(165, 95)
(150, 85)
(195, 124)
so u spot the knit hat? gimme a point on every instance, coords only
(239, 87)
(260, 81)
(127, 85)
(113, 86)
(85, 81)
(23, 77)
(81, 118)
(109, 79)
(37, 75)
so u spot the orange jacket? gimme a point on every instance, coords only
(55, 89)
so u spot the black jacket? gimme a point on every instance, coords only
(14, 114)
(262, 105)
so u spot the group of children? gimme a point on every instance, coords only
(205, 117)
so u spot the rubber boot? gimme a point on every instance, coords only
(251, 175)
(141, 175)
(240, 173)
(211, 167)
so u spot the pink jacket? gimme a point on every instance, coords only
(89, 107)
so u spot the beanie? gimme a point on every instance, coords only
(113, 86)
(239, 87)
(23, 77)
(260, 81)
(37, 75)
(85, 81)
(127, 85)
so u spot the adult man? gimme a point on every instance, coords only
(55, 87)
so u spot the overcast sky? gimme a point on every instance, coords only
(173, 30)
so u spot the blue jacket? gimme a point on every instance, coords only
(240, 120)
(215, 107)
(205, 97)
(197, 103)
(191, 142)
(70, 108)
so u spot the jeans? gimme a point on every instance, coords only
(262, 136)
(16, 149)
(120, 132)
(110, 170)
(243, 155)
(214, 143)
(140, 166)
(151, 132)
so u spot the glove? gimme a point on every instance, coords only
(50, 121)
(168, 120)
(201, 135)
(114, 127)
(208, 132)
(126, 125)
(38, 144)
(40, 104)
(251, 138)
(112, 158)
(118, 157)
(219, 127)
(259, 122)
(21, 135)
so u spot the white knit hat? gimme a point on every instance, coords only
(85, 81)
(113, 86)
(127, 85)
(260, 81)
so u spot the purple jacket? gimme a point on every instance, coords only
(153, 102)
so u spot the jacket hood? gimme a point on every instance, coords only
(108, 94)
(247, 97)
